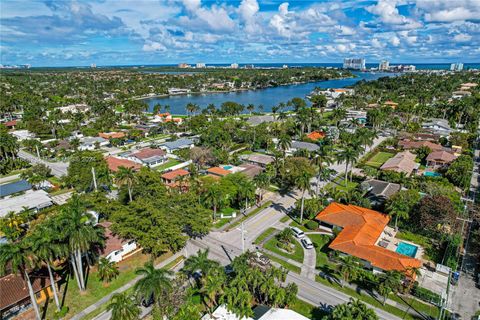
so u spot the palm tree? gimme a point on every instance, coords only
(348, 268)
(349, 155)
(262, 181)
(107, 270)
(214, 197)
(156, 283)
(12, 225)
(213, 288)
(126, 176)
(123, 307)
(323, 157)
(199, 262)
(284, 142)
(389, 283)
(399, 209)
(354, 309)
(19, 258)
(302, 182)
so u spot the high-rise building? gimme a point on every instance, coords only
(183, 65)
(234, 66)
(384, 65)
(354, 63)
(93, 66)
(456, 66)
(200, 65)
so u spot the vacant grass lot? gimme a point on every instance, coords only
(296, 255)
(379, 159)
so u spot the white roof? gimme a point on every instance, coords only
(30, 199)
(221, 313)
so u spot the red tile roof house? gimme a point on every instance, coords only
(361, 228)
(173, 179)
(217, 172)
(148, 156)
(14, 296)
(112, 135)
(440, 159)
(116, 249)
(401, 162)
(316, 135)
(115, 163)
(408, 144)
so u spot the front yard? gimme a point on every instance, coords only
(378, 159)
(320, 241)
(297, 253)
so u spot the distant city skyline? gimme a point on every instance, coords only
(107, 32)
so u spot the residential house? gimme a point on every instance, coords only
(408, 145)
(440, 159)
(391, 104)
(438, 126)
(401, 162)
(14, 295)
(359, 231)
(10, 124)
(31, 200)
(173, 179)
(460, 94)
(316, 135)
(256, 120)
(91, 143)
(251, 170)
(183, 143)
(378, 191)
(149, 157)
(115, 163)
(116, 249)
(8, 189)
(259, 159)
(260, 312)
(300, 145)
(74, 108)
(218, 172)
(22, 134)
(112, 135)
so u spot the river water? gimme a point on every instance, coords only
(268, 97)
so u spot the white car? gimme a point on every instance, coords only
(307, 243)
(298, 233)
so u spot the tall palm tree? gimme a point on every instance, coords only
(398, 209)
(302, 182)
(323, 157)
(284, 142)
(19, 258)
(348, 268)
(155, 282)
(262, 181)
(199, 262)
(214, 197)
(107, 270)
(390, 282)
(126, 176)
(123, 307)
(213, 288)
(349, 155)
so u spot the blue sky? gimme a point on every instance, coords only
(122, 32)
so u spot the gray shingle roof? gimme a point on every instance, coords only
(304, 145)
(177, 144)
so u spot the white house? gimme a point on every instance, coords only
(260, 313)
(177, 145)
(116, 248)
(22, 134)
(147, 156)
(438, 126)
(90, 143)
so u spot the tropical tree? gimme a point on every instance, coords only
(12, 225)
(302, 182)
(214, 196)
(126, 176)
(107, 270)
(349, 155)
(123, 307)
(262, 181)
(156, 283)
(390, 282)
(199, 263)
(18, 258)
(323, 157)
(284, 142)
(354, 309)
(348, 268)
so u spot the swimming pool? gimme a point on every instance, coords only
(407, 249)
(227, 167)
(431, 174)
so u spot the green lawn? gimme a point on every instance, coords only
(378, 159)
(221, 222)
(307, 310)
(76, 301)
(251, 214)
(339, 184)
(168, 164)
(297, 255)
(264, 235)
(284, 263)
(284, 219)
(320, 241)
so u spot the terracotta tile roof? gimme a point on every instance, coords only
(442, 156)
(13, 288)
(408, 144)
(391, 103)
(401, 162)
(114, 163)
(172, 175)
(10, 123)
(112, 135)
(316, 135)
(361, 229)
(217, 171)
(112, 241)
(149, 153)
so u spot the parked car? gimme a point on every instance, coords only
(298, 233)
(307, 243)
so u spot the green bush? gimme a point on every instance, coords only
(426, 295)
(61, 314)
(311, 225)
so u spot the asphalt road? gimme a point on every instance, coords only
(58, 168)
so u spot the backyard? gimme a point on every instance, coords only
(378, 159)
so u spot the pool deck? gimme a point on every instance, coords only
(388, 235)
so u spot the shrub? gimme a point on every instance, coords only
(426, 295)
(311, 225)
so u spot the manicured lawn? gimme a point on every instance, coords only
(307, 310)
(378, 159)
(296, 255)
(168, 164)
(320, 241)
(284, 219)
(251, 214)
(264, 235)
(339, 184)
(76, 301)
(284, 263)
(221, 222)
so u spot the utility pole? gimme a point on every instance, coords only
(38, 152)
(94, 179)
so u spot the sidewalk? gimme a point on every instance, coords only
(125, 287)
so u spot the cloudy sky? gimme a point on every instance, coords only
(118, 32)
